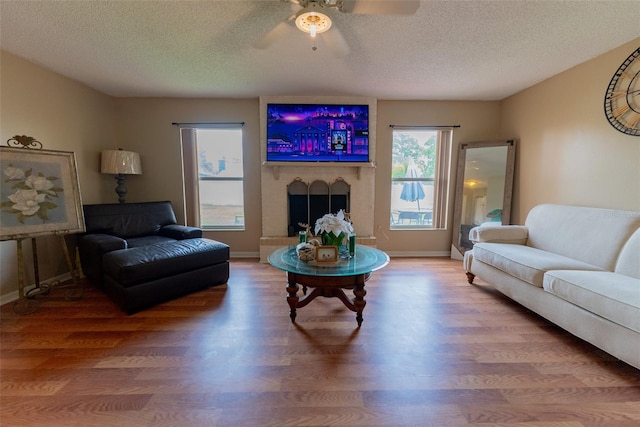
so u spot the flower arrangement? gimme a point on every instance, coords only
(333, 228)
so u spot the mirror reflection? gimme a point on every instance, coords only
(483, 188)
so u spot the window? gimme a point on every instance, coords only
(420, 178)
(213, 177)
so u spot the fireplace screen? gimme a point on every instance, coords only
(308, 202)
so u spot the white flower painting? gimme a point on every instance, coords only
(34, 194)
(39, 193)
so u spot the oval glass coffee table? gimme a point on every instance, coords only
(328, 279)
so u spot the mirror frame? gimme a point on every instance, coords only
(508, 187)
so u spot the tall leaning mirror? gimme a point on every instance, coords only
(484, 189)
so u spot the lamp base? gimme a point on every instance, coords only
(121, 189)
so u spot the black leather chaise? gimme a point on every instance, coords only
(140, 256)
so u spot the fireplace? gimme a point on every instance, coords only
(292, 194)
(309, 202)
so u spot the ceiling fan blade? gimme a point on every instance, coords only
(336, 42)
(380, 7)
(276, 33)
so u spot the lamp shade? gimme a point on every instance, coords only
(121, 162)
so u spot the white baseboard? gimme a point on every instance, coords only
(418, 254)
(244, 255)
(13, 296)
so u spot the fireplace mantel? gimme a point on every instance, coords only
(275, 166)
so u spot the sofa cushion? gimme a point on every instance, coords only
(615, 297)
(591, 235)
(130, 267)
(525, 263)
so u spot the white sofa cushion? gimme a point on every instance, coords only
(591, 235)
(615, 297)
(525, 263)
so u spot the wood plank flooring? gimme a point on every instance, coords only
(432, 351)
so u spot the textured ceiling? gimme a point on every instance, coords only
(447, 50)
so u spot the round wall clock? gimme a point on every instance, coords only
(622, 100)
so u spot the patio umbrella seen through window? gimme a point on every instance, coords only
(412, 191)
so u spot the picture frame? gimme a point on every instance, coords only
(326, 254)
(39, 193)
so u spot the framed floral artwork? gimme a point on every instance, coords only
(40, 193)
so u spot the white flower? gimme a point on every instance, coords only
(39, 183)
(27, 201)
(333, 223)
(14, 173)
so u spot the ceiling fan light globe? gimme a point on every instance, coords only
(309, 19)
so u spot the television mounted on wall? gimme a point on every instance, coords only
(317, 132)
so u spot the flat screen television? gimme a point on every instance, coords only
(317, 133)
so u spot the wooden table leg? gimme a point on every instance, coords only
(292, 298)
(359, 301)
(329, 287)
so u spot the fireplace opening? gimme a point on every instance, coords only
(308, 202)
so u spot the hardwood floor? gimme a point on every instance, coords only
(432, 351)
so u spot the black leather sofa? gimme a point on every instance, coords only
(140, 256)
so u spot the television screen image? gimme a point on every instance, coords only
(317, 133)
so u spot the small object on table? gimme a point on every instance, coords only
(352, 245)
(326, 253)
(306, 251)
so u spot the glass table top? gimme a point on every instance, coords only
(365, 261)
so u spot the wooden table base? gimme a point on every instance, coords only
(328, 287)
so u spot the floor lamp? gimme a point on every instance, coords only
(120, 163)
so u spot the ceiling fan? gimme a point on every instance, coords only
(314, 18)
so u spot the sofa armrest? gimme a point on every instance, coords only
(100, 244)
(92, 247)
(180, 232)
(514, 234)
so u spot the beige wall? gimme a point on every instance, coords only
(64, 115)
(568, 152)
(477, 120)
(145, 125)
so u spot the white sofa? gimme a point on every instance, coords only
(578, 267)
